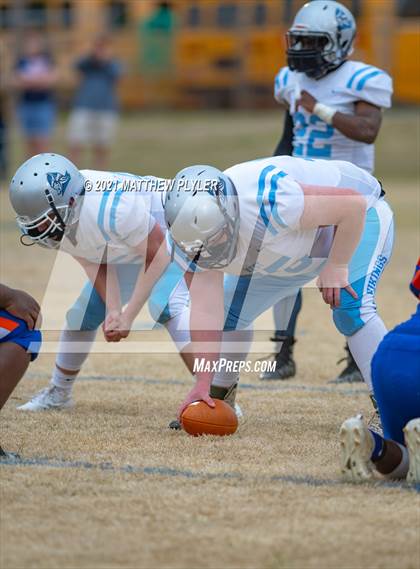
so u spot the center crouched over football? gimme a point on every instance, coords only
(200, 419)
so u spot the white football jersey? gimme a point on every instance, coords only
(116, 213)
(353, 81)
(271, 203)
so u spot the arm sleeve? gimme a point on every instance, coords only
(373, 86)
(285, 144)
(283, 201)
(130, 218)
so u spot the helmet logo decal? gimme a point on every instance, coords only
(343, 21)
(58, 181)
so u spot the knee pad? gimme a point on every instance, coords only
(87, 313)
(347, 320)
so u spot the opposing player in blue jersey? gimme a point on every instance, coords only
(334, 112)
(115, 230)
(271, 227)
(396, 385)
(20, 340)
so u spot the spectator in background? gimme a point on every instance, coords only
(34, 79)
(156, 40)
(94, 118)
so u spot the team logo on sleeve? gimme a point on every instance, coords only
(58, 181)
(343, 21)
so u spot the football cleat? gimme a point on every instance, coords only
(51, 397)
(285, 364)
(351, 373)
(356, 450)
(412, 442)
(8, 456)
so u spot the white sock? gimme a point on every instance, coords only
(235, 348)
(73, 350)
(364, 343)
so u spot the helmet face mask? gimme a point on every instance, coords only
(42, 193)
(321, 38)
(47, 230)
(215, 252)
(309, 53)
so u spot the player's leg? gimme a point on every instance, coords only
(395, 380)
(351, 373)
(104, 134)
(285, 315)
(18, 346)
(14, 361)
(357, 318)
(245, 299)
(76, 339)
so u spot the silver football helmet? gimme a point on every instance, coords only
(321, 38)
(202, 215)
(42, 193)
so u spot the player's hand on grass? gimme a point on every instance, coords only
(200, 392)
(331, 280)
(23, 306)
(306, 101)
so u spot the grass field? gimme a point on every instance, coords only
(107, 485)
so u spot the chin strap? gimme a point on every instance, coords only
(26, 244)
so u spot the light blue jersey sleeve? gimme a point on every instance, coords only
(125, 216)
(371, 84)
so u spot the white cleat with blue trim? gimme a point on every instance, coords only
(50, 398)
(412, 441)
(356, 450)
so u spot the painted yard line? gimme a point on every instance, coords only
(189, 474)
(251, 386)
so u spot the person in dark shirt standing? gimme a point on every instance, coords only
(34, 79)
(94, 117)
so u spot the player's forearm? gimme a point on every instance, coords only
(206, 345)
(206, 321)
(105, 281)
(360, 128)
(348, 233)
(146, 280)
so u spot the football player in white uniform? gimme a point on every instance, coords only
(334, 111)
(113, 225)
(272, 226)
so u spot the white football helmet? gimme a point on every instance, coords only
(202, 215)
(42, 193)
(321, 38)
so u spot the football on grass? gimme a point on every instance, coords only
(200, 419)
